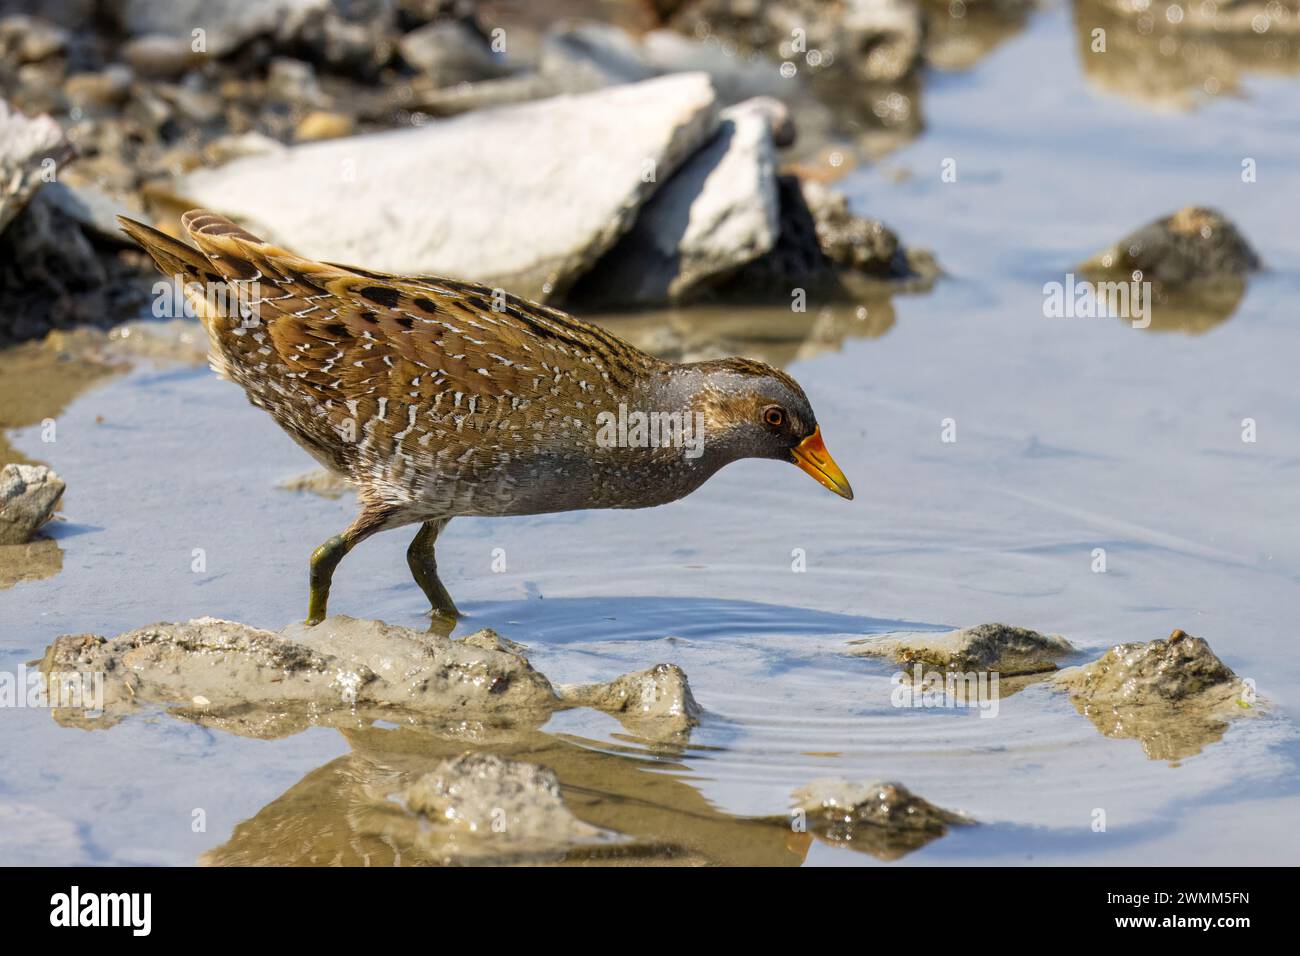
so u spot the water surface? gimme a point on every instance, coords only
(1072, 435)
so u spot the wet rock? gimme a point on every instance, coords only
(505, 212)
(717, 213)
(885, 820)
(451, 52)
(655, 703)
(853, 242)
(1194, 246)
(226, 24)
(28, 496)
(31, 150)
(321, 482)
(830, 253)
(346, 672)
(342, 666)
(25, 39)
(480, 807)
(1174, 696)
(1008, 651)
(321, 124)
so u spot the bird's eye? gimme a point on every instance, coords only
(774, 415)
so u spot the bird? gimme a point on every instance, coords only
(440, 398)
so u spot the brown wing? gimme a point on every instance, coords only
(417, 368)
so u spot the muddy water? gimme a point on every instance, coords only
(1072, 435)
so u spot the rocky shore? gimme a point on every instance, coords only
(638, 162)
(450, 765)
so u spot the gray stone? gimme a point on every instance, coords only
(25, 39)
(28, 496)
(450, 52)
(525, 197)
(717, 213)
(1001, 648)
(226, 24)
(294, 82)
(160, 57)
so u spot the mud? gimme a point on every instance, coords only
(1009, 651)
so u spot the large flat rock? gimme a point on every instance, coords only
(525, 197)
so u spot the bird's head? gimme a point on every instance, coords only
(751, 410)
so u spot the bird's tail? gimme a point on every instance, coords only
(203, 278)
(174, 258)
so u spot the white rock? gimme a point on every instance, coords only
(526, 197)
(717, 213)
(25, 146)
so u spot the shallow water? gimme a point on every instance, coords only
(1072, 434)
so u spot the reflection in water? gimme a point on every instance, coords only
(631, 807)
(407, 793)
(774, 334)
(1172, 56)
(959, 34)
(41, 558)
(342, 814)
(1195, 312)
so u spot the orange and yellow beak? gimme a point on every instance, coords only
(811, 455)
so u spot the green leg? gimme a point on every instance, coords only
(323, 562)
(424, 568)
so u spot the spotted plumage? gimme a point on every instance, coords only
(440, 398)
